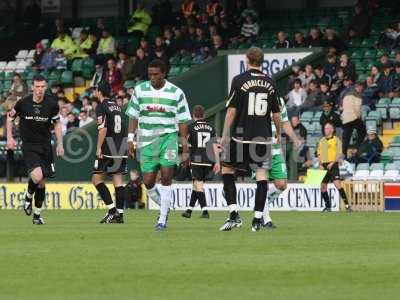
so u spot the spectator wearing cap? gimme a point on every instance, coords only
(250, 28)
(329, 115)
(84, 119)
(296, 98)
(369, 151)
(307, 76)
(351, 117)
(141, 63)
(106, 48)
(314, 38)
(370, 94)
(113, 76)
(299, 41)
(360, 23)
(282, 42)
(126, 66)
(386, 82)
(331, 66)
(140, 20)
(65, 43)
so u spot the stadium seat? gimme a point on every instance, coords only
(377, 171)
(316, 117)
(129, 84)
(174, 71)
(66, 78)
(22, 54)
(394, 113)
(174, 60)
(370, 54)
(9, 76)
(375, 116)
(362, 172)
(382, 107)
(185, 60)
(196, 60)
(7, 85)
(185, 69)
(358, 54)
(31, 54)
(76, 67)
(21, 66)
(3, 65)
(11, 66)
(395, 102)
(306, 116)
(88, 63)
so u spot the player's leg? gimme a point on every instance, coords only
(35, 177)
(193, 199)
(260, 199)
(150, 165)
(342, 193)
(166, 196)
(325, 196)
(199, 187)
(118, 182)
(39, 197)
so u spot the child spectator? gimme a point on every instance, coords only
(61, 60)
(250, 28)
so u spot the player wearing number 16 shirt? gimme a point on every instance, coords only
(247, 134)
(111, 153)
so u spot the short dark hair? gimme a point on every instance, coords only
(158, 63)
(297, 80)
(198, 112)
(104, 88)
(38, 78)
(255, 56)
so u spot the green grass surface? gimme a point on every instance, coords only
(310, 256)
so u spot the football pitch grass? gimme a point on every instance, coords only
(309, 256)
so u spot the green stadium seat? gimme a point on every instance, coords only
(370, 53)
(367, 43)
(9, 75)
(54, 75)
(380, 52)
(2, 75)
(196, 60)
(358, 54)
(244, 46)
(76, 67)
(375, 116)
(174, 71)
(31, 74)
(185, 69)
(362, 77)
(7, 85)
(67, 78)
(306, 116)
(377, 166)
(89, 63)
(395, 142)
(185, 60)
(87, 73)
(316, 117)
(382, 107)
(174, 60)
(362, 167)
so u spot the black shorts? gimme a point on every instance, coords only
(39, 155)
(332, 174)
(200, 172)
(110, 165)
(246, 156)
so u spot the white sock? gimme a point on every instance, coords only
(37, 211)
(258, 214)
(232, 207)
(191, 207)
(29, 195)
(204, 208)
(154, 194)
(111, 206)
(166, 196)
(272, 191)
(121, 211)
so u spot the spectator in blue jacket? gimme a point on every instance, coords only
(386, 82)
(370, 95)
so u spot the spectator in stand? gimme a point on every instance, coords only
(307, 76)
(331, 40)
(19, 88)
(144, 45)
(298, 128)
(141, 64)
(86, 106)
(313, 99)
(86, 44)
(329, 115)
(386, 82)
(299, 41)
(226, 30)
(37, 57)
(351, 116)
(384, 59)
(370, 95)
(100, 27)
(282, 41)
(84, 119)
(360, 24)
(370, 150)
(296, 72)
(296, 98)
(217, 44)
(347, 66)
(107, 47)
(326, 94)
(250, 10)
(48, 60)
(214, 8)
(124, 96)
(200, 41)
(72, 122)
(64, 119)
(177, 43)
(140, 21)
(65, 43)
(250, 29)
(321, 77)
(113, 76)
(126, 66)
(390, 38)
(397, 77)
(60, 61)
(314, 38)
(98, 76)
(189, 8)
(93, 105)
(160, 54)
(348, 86)
(331, 65)
(375, 73)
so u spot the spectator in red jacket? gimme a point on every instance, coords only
(113, 76)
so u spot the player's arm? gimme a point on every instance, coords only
(183, 116)
(55, 119)
(216, 150)
(102, 128)
(11, 116)
(232, 105)
(288, 129)
(276, 113)
(133, 113)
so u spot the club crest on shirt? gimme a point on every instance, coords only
(36, 110)
(155, 108)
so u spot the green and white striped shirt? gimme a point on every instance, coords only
(158, 111)
(276, 148)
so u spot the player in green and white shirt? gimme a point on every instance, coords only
(278, 172)
(158, 110)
